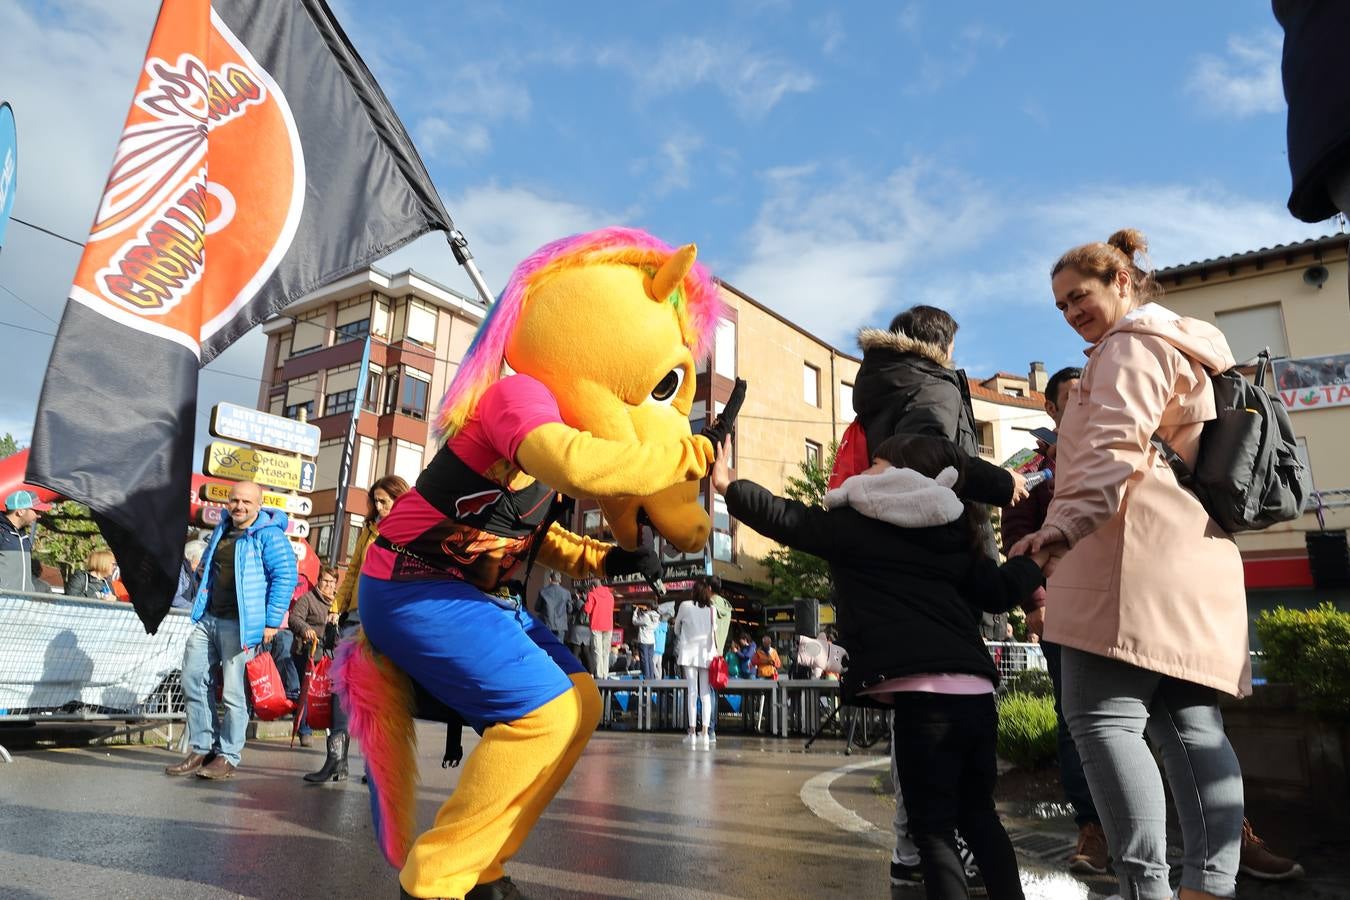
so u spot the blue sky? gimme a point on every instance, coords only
(838, 165)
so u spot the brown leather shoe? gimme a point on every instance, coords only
(191, 763)
(1090, 857)
(1257, 861)
(217, 769)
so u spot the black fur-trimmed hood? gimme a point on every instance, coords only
(870, 339)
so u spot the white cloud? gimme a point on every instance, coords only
(910, 19)
(1245, 81)
(938, 70)
(754, 83)
(669, 170)
(455, 143)
(829, 29)
(833, 252)
(504, 225)
(832, 257)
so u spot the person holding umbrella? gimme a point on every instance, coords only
(309, 615)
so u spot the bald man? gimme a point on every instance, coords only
(248, 576)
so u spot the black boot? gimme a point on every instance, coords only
(335, 765)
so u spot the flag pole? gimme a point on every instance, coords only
(348, 451)
(459, 245)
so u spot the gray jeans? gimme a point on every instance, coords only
(1110, 707)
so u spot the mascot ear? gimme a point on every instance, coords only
(669, 276)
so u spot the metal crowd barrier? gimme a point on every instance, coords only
(66, 659)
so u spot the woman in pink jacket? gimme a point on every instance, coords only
(1146, 592)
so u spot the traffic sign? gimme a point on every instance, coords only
(246, 464)
(252, 426)
(214, 515)
(288, 503)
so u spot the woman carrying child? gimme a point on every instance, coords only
(912, 579)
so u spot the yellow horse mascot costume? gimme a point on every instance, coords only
(579, 381)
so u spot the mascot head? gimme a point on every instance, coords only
(612, 322)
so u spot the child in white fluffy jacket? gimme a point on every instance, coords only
(911, 580)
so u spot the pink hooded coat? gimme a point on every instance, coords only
(1150, 579)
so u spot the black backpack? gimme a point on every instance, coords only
(1248, 475)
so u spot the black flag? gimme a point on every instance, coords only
(259, 161)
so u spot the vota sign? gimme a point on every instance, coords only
(9, 166)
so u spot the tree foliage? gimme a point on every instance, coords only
(793, 573)
(66, 536)
(8, 446)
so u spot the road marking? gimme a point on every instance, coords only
(816, 795)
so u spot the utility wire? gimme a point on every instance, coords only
(59, 237)
(27, 304)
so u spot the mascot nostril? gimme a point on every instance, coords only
(437, 583)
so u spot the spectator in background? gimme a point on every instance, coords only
(765, 661)
(696, 624)
(308, 617)
(19, 569)
(95, 580)
(722, 607)
(189, 576)
(600, 608)
(661, 643)
(551, 606)
(344, 612)
(646, 620)
(248, 577)
(579, 628)
(745, 650)
(1090, 856)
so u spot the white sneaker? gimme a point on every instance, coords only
(691, 739)
(704, 742)
(712, 737)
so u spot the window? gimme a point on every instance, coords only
(292, 411)
(421, 323)
(321, 535)
(721, 537)
(276, 405)
(354, 523)
(353, 330)
(341, 402)
(407, 461)
(412, 396)
(374, 399)
(310, 332)
(363, 470)
(810, 384)
(379, 317)
(327, 465)
(813, 456)
(846, 413)
(1251, 330)
(724, 348)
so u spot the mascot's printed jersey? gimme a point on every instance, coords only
(473, 514)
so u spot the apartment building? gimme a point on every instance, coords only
(1293, 299)
(419, 330)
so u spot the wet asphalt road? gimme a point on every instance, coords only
(642, 816)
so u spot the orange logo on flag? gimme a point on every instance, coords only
(209, 170)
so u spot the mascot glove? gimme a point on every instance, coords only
(642, 561)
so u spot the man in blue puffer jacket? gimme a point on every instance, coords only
(248, 576)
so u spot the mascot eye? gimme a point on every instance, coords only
(669, 386)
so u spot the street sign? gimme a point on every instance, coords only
(214, 515)
(252, 426)
(246, 464)
(287, 503)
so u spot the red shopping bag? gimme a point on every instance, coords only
(319, 699)
(718, 675)
(264, 685)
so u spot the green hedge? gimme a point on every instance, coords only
(1310, 649)
(1027, 734)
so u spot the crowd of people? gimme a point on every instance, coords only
(1138, 596)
